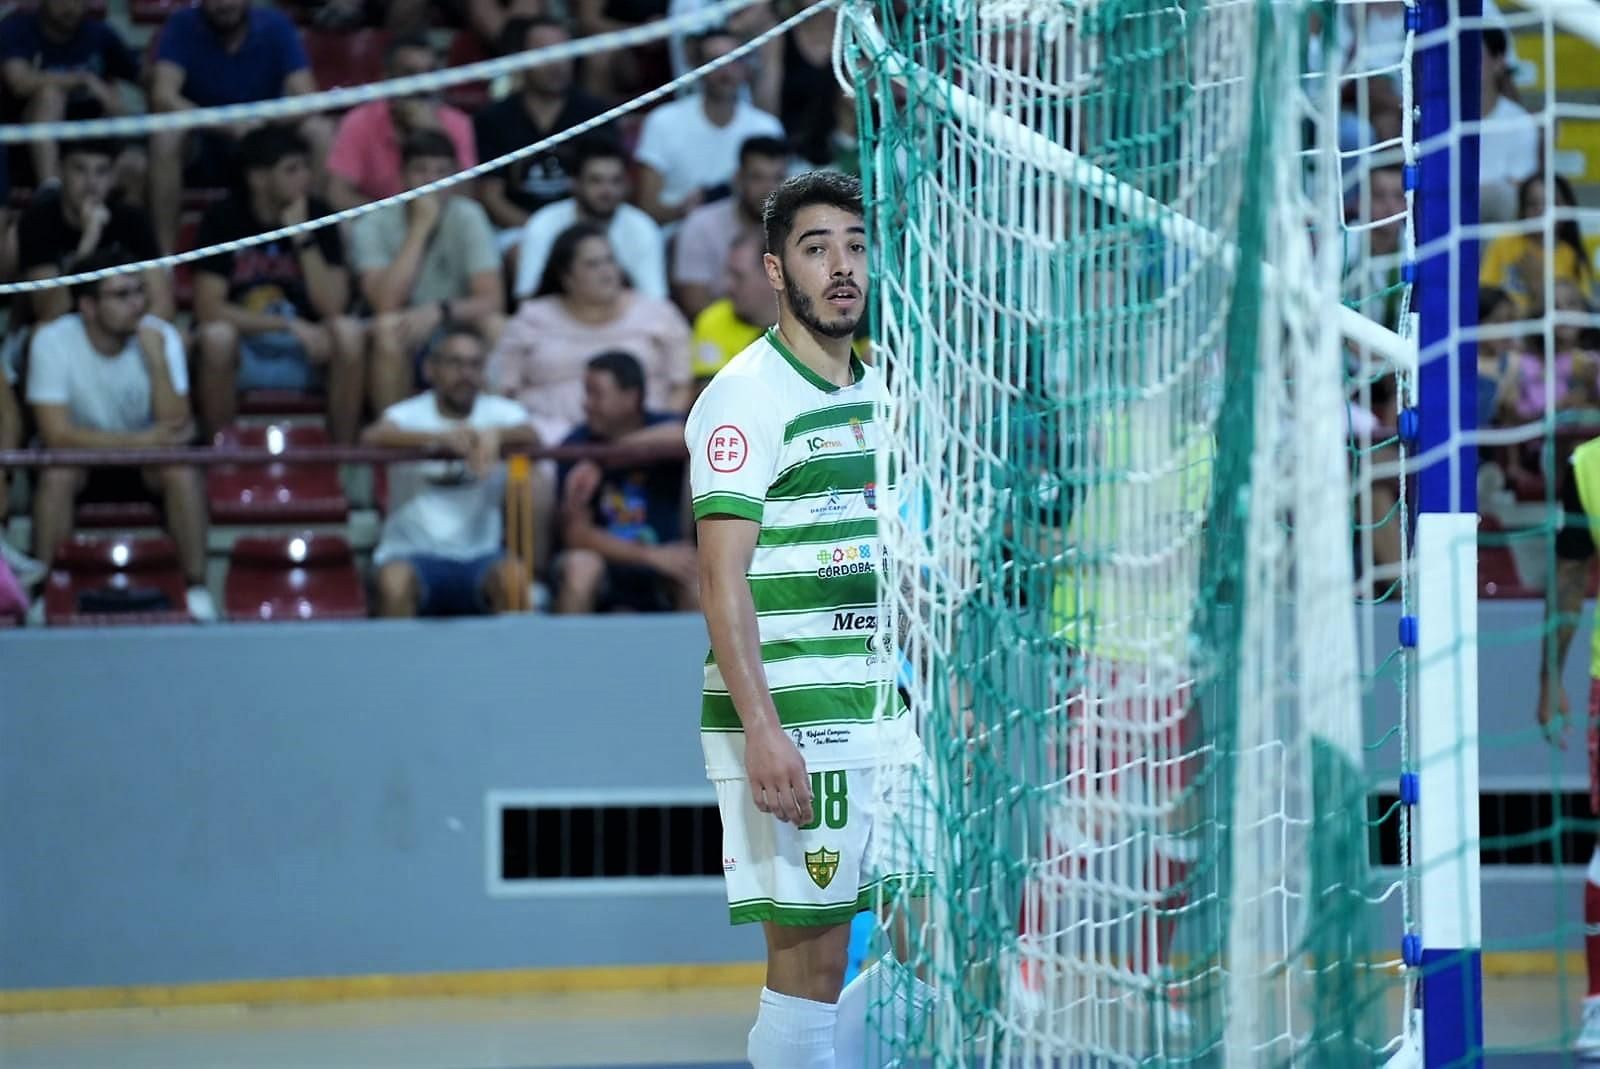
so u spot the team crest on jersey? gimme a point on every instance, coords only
(870, 492)
(821, 864)
(857, 430)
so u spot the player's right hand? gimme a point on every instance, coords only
(1554, 711)
(777, 773)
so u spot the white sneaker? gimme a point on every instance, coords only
(201, 608)
(28, 571)
(1588, 1044)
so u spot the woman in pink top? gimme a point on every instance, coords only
(582, 308)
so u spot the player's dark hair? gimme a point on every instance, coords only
(418, 41)
(98, 260)
(596, 147)
(562, 253)
(767, 148)
(623, 367)
(266, 146)
(428, 145)
(1494, 39)
(830, 188)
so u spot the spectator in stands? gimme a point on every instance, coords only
(689, 149)
(599, 196)
(221, 52)
(1509, 144)
(580, 309)
(1577, 367)
(63, 225)
(622, 526)
(621, 72)
(1516, 262)
(728, 325)
(10, 438)
(112, 376)
(485, 18)
(440, 552)
(423, 264)
(546, 103)
(364, 163)
(55, 55)
(272, 316)
(797, 84)
(1499, 370)
(700, 255)
(1374, 255)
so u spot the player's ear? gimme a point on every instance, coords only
(774, 268)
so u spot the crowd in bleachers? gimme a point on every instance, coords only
(1526, 277)
(577, 296)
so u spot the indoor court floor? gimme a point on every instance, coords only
(684, 1029)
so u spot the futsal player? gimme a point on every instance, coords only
(808, 768)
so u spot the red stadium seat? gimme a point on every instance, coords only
(466, 47)
(154, 12)
(99, 582)
(276, 492)
(280, 403)
(345, 58)
(134, 510)
(293, 577)
(107, 514)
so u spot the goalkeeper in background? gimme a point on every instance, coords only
(812, 752)
(1575, 550)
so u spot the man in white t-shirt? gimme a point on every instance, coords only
(599, 196)
(110, 376)
(1509, 144)
(700, 256)
(689, 149)
(441, 551)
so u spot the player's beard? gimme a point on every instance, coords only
(805, 310)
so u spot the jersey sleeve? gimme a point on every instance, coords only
(734, 442)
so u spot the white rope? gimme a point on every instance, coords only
(483, 168)
(487, 70)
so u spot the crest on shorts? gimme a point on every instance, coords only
(821, 864)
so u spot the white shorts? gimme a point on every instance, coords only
(871, 838)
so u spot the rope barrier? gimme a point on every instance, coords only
(208, 456)
(348, 214)
(128, 126)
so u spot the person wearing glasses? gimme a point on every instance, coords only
(441, 551)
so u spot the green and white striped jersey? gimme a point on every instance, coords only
(772, 441)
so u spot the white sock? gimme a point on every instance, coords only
(903, 1003)
(792, 1033)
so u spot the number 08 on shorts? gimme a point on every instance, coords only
(867, 840)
